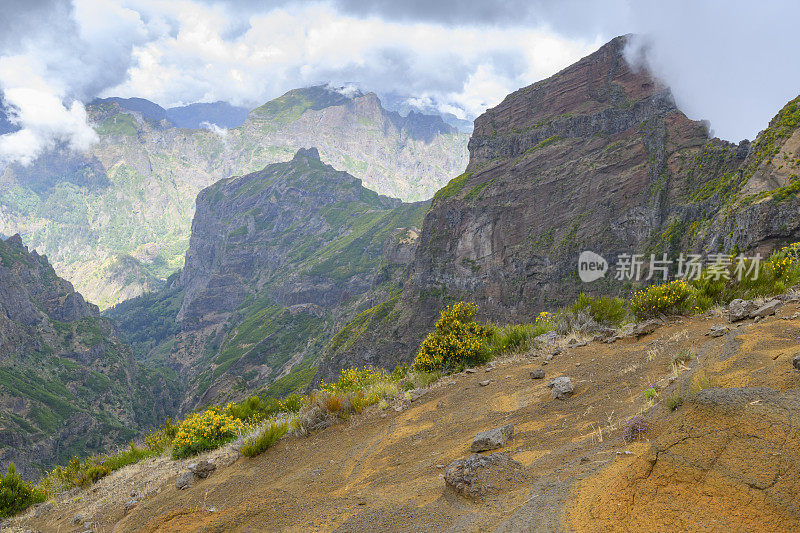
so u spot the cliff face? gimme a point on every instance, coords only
(598, 158)
(278, 260)
(67, 384)
(116, 221)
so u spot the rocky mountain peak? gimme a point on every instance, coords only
(307, 153)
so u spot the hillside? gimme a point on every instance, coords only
(597, 157)
(277, 261)
(116, 221)
(68, 385)
(723, 460)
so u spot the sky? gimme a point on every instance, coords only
(732, 63)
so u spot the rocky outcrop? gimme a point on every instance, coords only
(599, 158)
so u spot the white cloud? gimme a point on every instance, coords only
(222, 132)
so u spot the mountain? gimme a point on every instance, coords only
(116, 220)
(277, 261)
(68, 385)
(404, 106)
(597, 157)
(197, 115)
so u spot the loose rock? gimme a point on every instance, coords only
(647, 327)
(768, 309)
(185, 480)
(537, 374)
(561, 388)
(740, 309)
(796, 362)
(484, 383)
(718, 330)
(415, 394)
(478, 475)
(492, 439)
(202, 469)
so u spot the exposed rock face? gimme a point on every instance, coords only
(116, 222)
(595, 158)
(249, 232)
(277, 260)
(67, 384)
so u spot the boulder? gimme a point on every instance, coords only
(545, 338)
(478, 475)
(185, 480)
(202, 469)
(561, 388)
(484, 383)
(796, 362)
(740, 309)
(537, 374)
(768, 309)
(492, 439)
(718, 330)
(646, 328)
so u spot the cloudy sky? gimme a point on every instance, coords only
(733, 64)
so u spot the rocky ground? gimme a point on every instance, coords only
(724, 460)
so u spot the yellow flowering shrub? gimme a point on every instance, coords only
(675, 297)
(457, 341)
(205, 431)
(351, 379)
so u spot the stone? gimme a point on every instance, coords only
(202, 469)
(796, 362)
(718, 330)
(484, 383)
(740, 309)
(185, 480)
(545, 338)
(133, 502)
(470, 370)
(537, 374)
(492, 438)
(646, 328)
(768, 309)
(478, 475)
(415, 394)
(561, 388)
(42, 509)
(77, 519)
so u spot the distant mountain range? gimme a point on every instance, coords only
(115, 221)
(193, 116)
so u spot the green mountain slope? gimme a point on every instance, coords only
(68, 385)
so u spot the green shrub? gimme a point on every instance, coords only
(650, 393)
(265, 437)
(605, 310)
(514, 337)
(15, 494)
(456, 342)
(674, 401)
